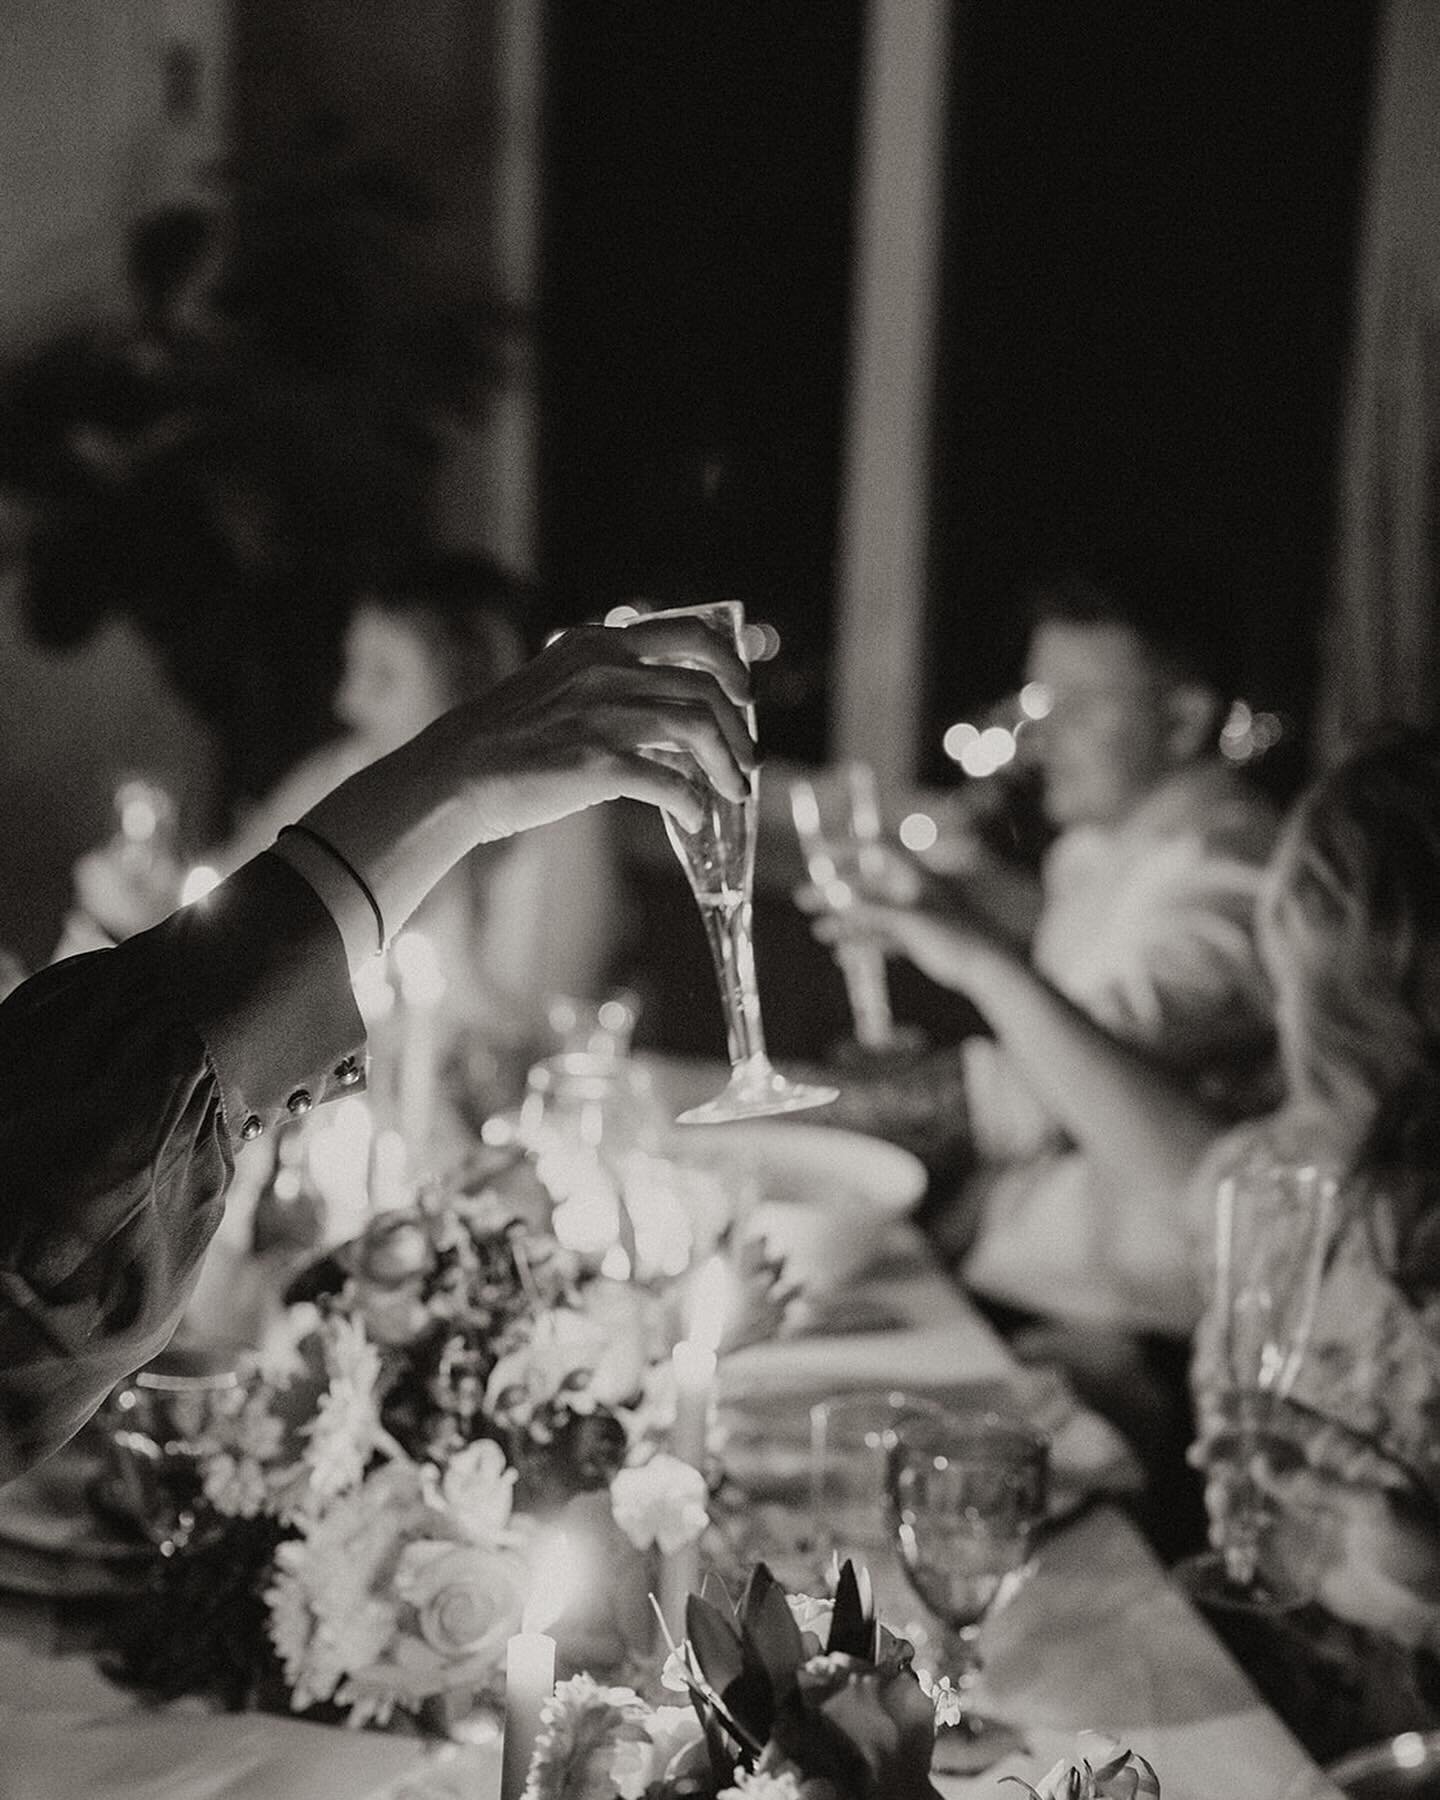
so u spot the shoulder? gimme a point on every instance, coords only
(1219, 809)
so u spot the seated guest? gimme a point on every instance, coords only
(1145, 923)
(516, 921)
(1350, 939)
(129, 1077)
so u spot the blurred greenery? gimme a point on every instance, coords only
(255, 438)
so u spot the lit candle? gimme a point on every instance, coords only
(200, 881)
(529, 1683)
(338, 1155)
(422, 987)
(694, 1361)
(530, 1662)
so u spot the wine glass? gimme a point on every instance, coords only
(718, 857)
(838, 825)
(1274, 1220)
(967, 1493)
(151, 1481)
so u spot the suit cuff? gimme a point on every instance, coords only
(259, 970)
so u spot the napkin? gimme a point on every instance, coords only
(179, 1754)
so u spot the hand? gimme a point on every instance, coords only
(582, 723)
(943, 946)
(1368, 1552)
(1375, 1556)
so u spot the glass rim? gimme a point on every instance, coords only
(897, 1399)
(977, 1427)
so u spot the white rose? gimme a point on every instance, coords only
(635, 1767)
(467, 1600)
(661, 1503)
(479, 1488)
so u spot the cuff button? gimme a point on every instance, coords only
(299, 1102)
(251, 1129)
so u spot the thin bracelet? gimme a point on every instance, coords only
(349, 868)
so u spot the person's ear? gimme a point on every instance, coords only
(1193, 718)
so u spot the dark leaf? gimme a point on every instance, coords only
(768, 1628)
(852, 1630)
(715, 1643)
(735, 1683)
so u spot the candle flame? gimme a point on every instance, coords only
(556, 1573)
(710, 1301)
(198, 883)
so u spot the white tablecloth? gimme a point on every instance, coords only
(1099, 1638)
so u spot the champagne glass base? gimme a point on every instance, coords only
(1206, 1580)
(977, 1743)
(905, 1044)
(757, 1094)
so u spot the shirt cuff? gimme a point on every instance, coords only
(258, 968)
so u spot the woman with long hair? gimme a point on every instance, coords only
(1350, 937)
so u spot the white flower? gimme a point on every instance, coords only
(479, 1488)
(235, 1485)
(944, 1696)
(637, 1766)
(617, 1311)
(812, 1615)
(661, 1503)
(583, 1726)
(755, 1786)
(343, 1435)
(561, 1352)
(467, 1599)
(331, 1610)
(280, 1357)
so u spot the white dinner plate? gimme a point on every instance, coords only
(802, 1162)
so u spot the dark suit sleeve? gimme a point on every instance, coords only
(127, 1077)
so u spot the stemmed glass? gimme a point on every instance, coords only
(719, 860)
(967, 1494)
(152, 1481)
(838, 825)
(1273, 1227)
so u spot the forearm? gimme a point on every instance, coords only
(400, 824)
(1119, 1105)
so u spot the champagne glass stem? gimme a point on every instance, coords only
(727, 919)
(1245, 1521)
(961, 1647)
(867, 990)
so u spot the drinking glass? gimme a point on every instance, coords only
(967, 1494)
(590, 1119)
(152, 1480)
(1273, 1226)
(718, 857)
(838, 824)
(851, 1437)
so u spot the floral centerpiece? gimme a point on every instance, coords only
(786, 1697)
(358, 1519)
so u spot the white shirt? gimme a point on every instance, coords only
(1149, 927)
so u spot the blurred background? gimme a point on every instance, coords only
(858, 313)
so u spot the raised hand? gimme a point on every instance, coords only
(573, 728)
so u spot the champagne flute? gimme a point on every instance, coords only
(1273, 1225)
(838, 826)
(967, 1494)
(719, 860)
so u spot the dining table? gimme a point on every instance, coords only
(1097, 1638)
